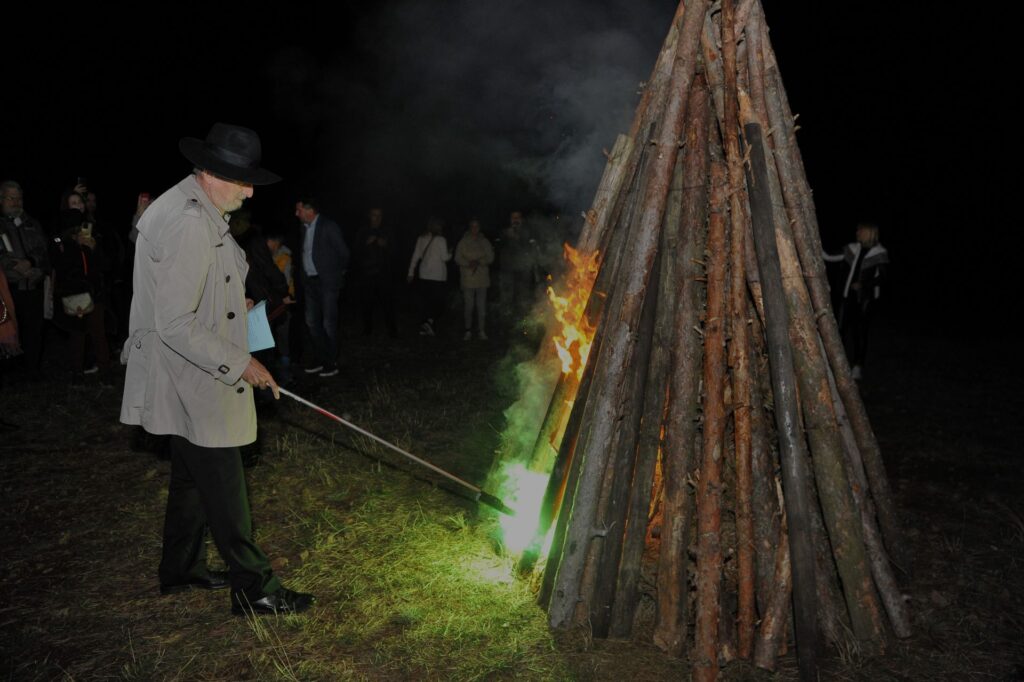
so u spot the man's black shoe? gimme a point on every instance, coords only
(282, 602)
(213, 580)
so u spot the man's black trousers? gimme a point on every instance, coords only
(207, 489)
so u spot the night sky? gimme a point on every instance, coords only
(464, 108)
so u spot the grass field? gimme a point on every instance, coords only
(412, 581)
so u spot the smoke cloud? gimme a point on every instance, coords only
(475, 107)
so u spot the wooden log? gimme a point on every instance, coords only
(763, 464)
(771, 633)
(557, 485)
(709, 485)
(713, 53)
(881, 567)
(619, 343)
(684, 393)
(833, 616)
(739, 359)
(597, 586)
(713, 68)
(596, 235)
(750, 256)
(651, 107)
(655, 394)
(626, 208)
(609, 193)
(554, 494)
(624, 163)
(791, 441)
(834, 494)
(805, 228)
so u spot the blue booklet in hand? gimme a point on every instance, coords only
(260, 336)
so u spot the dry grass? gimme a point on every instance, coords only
(410, 583)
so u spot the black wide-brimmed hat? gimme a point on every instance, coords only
(232, 152)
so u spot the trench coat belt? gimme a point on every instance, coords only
(134, 341)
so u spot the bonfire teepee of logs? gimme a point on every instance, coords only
(713, 441)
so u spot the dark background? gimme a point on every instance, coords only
(460, 108)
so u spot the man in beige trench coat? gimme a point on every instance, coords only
(191, 376)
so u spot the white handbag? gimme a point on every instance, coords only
(78, 304)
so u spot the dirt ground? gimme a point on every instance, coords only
(82, 504)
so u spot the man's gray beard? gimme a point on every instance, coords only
(13, 212)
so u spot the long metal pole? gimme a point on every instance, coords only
(478, 494)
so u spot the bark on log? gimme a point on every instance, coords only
(709, 486)
(763, 464)
(556, 488)
(791, 440)
(805, 228)
(618, 346)
(608, 195)
(554, 494)
(738, 345)
(771, 634)
(834, 494)
(625, 209)
(684, 395)
(881, 567)
(651, 106)
(602, 565)
(655, 394)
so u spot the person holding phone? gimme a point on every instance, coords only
(80, 297)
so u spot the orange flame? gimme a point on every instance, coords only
(576, 335)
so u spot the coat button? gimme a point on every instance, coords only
(227, 278)
(241, 389)
(224, 369)
(231, 316)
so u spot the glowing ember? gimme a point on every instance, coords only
(576, 335)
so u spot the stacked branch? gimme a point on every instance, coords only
(716, 399)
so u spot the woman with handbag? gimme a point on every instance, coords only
(78, 265)
(429, 264)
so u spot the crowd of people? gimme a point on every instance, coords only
(72, 281)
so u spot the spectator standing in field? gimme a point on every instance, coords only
(79, 291)
(25, 260)
(515, 268)
(374, 245)
(429, 265)
(474, 255)
(325, 259)
(864, 269)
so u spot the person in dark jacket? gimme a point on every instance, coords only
(263, 282)
(80, 297)
(26, 263)
(864, 268)
(374, 246)
(324, 261)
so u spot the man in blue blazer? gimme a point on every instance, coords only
(324, 260)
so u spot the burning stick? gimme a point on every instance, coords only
(479, 495)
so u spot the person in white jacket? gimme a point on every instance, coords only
(474, 255)
(429, 265)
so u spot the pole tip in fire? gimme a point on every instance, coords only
(492, 501)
